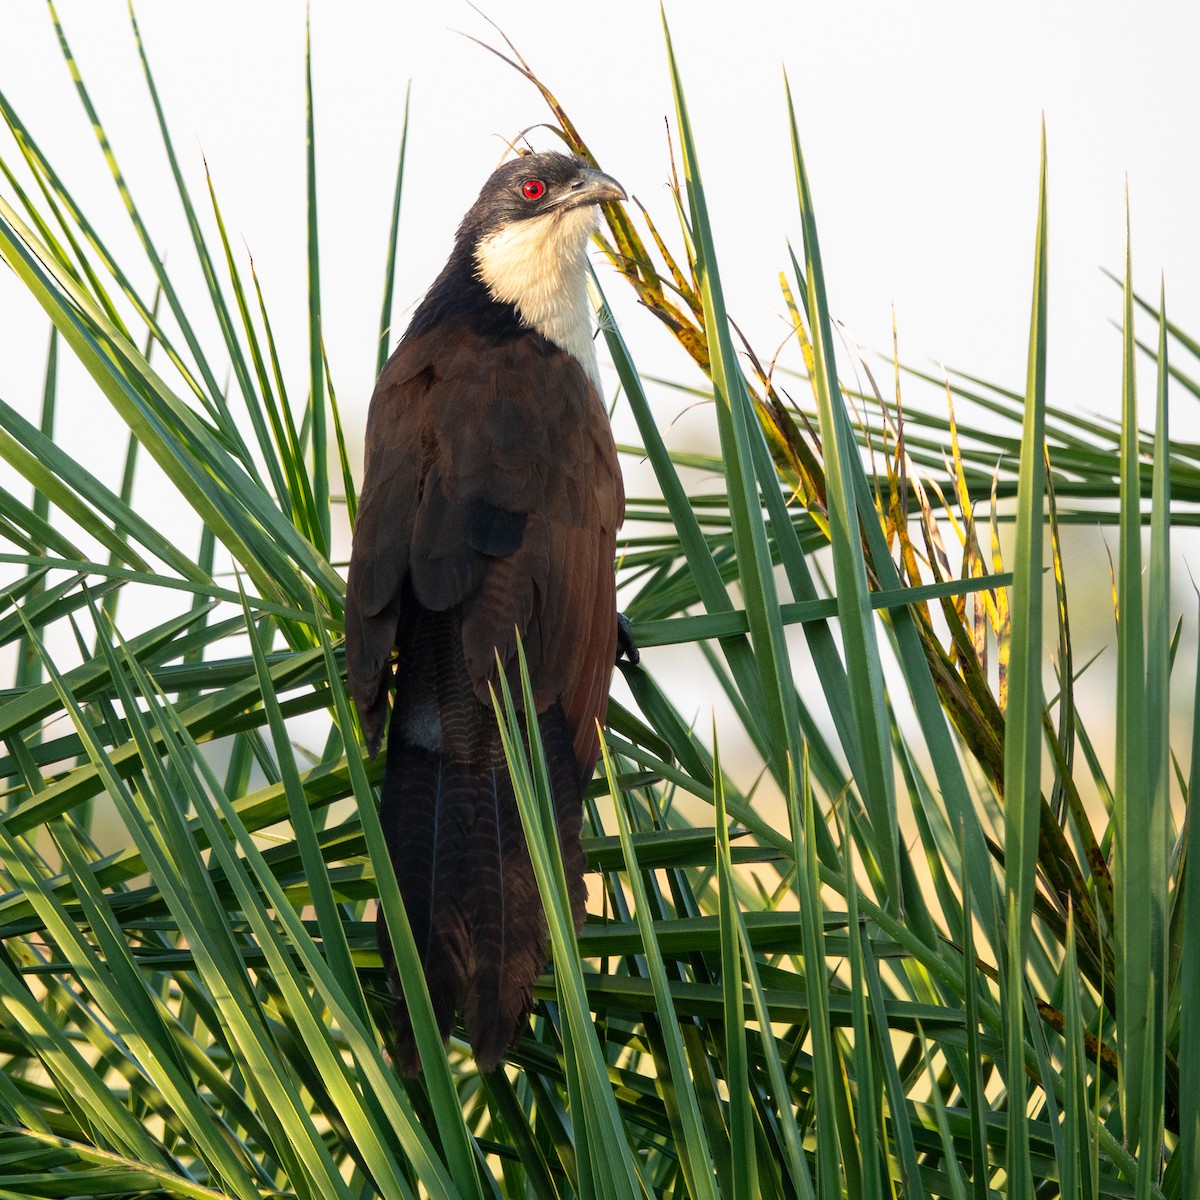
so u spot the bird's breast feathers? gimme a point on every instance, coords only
(539, 266)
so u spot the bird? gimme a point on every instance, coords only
(489, 510)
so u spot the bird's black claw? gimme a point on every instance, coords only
(626, 646)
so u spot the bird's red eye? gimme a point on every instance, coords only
(533, 189)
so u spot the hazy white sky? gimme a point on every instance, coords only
(919, 121)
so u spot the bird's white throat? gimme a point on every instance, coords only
(539, 266)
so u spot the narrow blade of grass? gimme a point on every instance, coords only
(739, 429)
(694, 1154)
(316, 392)
(1023, 733)
(868, 1099)
(741, 1127)
(1132, 873)
(827, 1075)
(1158, 763)
(389, 271)
(1189, 977)
(1076, 1167)
(349, 494)
(29, 666)
(859, 642)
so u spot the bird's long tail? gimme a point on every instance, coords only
(459, 852)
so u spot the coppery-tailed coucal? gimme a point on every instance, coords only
(490, 506)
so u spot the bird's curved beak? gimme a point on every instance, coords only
(592, 187)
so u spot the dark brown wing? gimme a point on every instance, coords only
(491, 483)
(489, 509)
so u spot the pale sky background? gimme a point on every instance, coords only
(920, 124)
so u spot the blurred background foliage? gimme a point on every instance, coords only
(929, 934)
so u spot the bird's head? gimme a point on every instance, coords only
(528, 234)
(543, 189)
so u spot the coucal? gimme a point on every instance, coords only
(489, 510)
